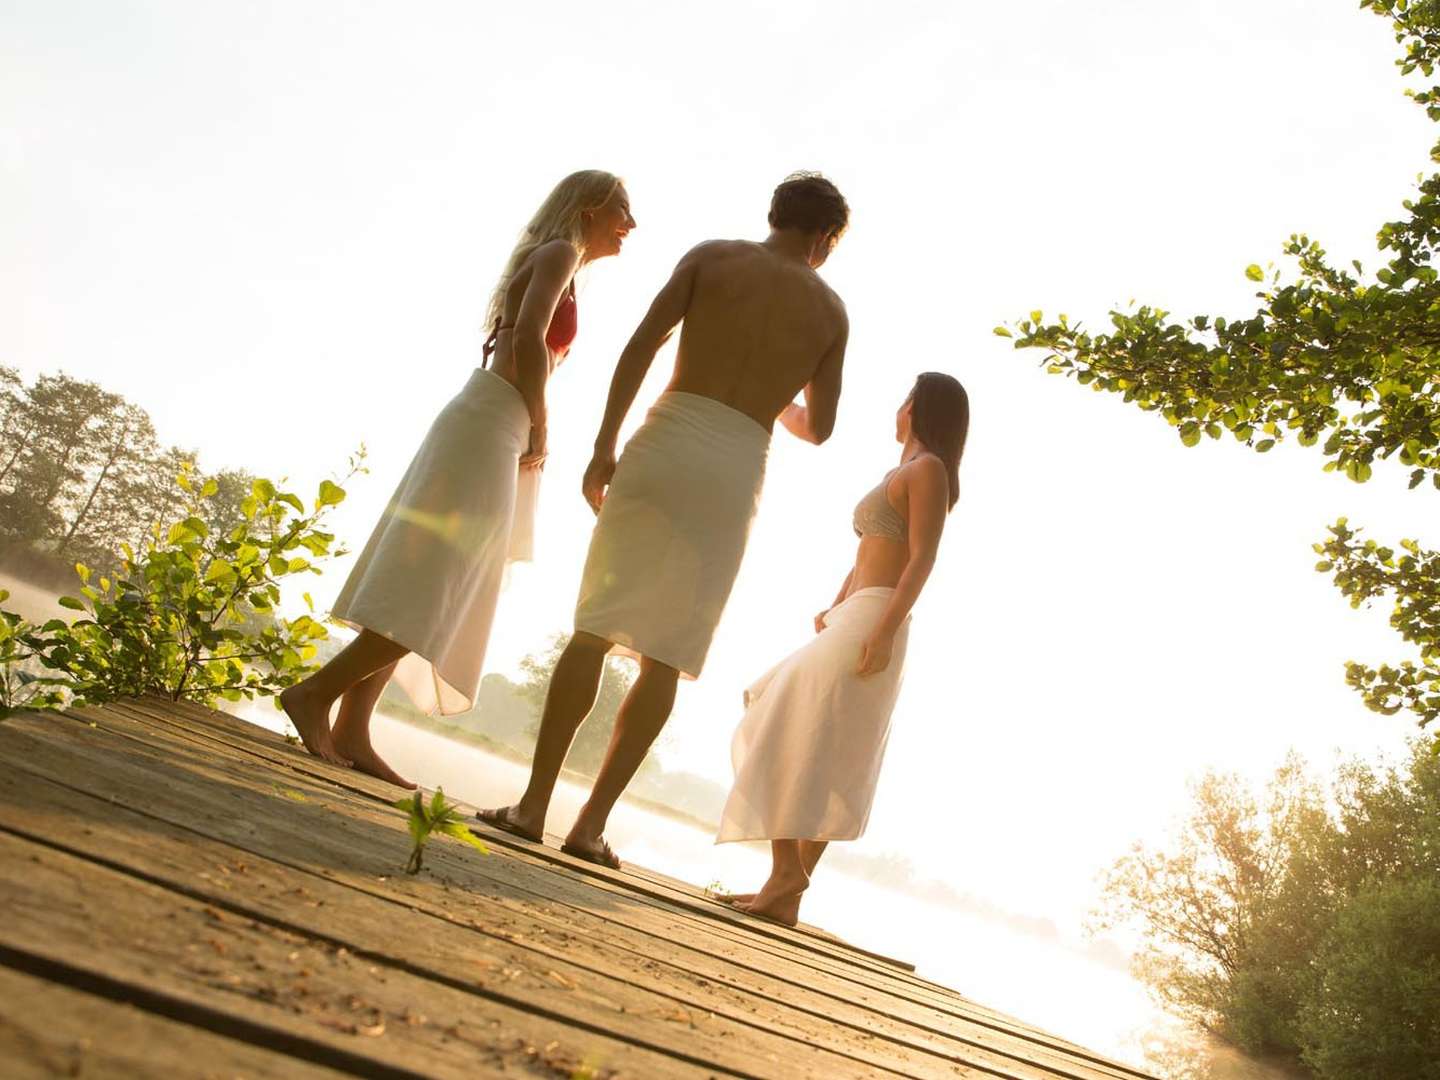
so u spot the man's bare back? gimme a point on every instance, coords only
(757, 328)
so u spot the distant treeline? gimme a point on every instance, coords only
(82, 471)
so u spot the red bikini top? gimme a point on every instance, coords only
(564, 324)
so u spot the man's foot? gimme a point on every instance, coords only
(778, 900)
(509, 819)
(364, 759)
(312, 720)
(734, 899)
(595, 851)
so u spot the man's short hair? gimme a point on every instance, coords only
(806, 201)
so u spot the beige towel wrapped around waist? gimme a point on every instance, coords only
(430, 575)
(807, 754)
(672, 531)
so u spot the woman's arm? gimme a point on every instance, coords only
(928, 497)
(554, 264)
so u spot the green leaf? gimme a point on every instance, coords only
(219, 571)
(71, 603)
(263, 490)
(331, 494)
(1265, 445)
(1001, 331)
(1254, 273)
(460, 831)
(210, 490)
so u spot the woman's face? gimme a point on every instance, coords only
(607, 227)
(902, 421)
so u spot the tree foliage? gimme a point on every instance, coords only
(1291, 924)
(1339, 360)
(82, 472)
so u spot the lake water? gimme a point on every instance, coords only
(1043, 980)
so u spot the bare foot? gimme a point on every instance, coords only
(510, 819)
(364, 759)
(734, 899)
(778, 899)
(312, 721)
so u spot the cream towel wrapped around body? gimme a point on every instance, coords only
(807, 753)
(430, 575)
(672, 531)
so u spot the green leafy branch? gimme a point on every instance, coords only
(439, 817)
(1350, 366)
(1365, 570)
(24, 684)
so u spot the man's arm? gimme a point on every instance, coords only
(815, 420)
(665, 314)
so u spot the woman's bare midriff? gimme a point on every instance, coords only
(879, 562)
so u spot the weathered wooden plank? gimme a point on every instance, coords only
(62, 910)
(556, 936)
(982, 1037)
(273, 748)
(407, 938)
(48, 1030)
(234, 733)
(338, 857)
(240, 735)
(243, 735)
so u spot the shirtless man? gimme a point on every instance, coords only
(674, 514)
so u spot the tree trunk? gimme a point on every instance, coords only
(115, 451)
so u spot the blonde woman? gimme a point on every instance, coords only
(808, 752)
(423, 591)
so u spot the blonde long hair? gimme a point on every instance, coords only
(559, 218)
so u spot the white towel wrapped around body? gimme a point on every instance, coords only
(672, 531)
(430, 575)
(807, 753)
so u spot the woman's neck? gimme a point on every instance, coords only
(912, 449)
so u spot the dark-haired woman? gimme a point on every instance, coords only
(808, 752)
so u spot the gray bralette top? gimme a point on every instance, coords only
(874, 516)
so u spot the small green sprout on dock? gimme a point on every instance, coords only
(440, 816)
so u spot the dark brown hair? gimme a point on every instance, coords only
(808, 202)
(940, 420)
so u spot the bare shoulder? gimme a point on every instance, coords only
(925, 472)
(714, 250)
(556, 255)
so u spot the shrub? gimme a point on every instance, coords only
(192, 614)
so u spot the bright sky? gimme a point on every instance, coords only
(275, 226)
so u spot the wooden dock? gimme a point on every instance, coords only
(185, 894)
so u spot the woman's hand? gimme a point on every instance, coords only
(820, 620)
(875, 654)
(597, 478)
(534, 457)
